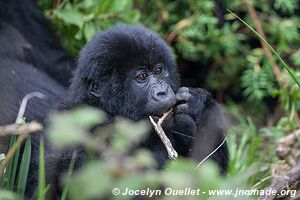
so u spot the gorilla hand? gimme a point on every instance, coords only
(192, 101)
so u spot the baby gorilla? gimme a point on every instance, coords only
(129, 71)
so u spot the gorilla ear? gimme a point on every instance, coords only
(94, 89)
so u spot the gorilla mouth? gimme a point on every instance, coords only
(160, 114)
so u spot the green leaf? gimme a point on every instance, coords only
(42, 176)
(70, 16)
(91, 182)
(286, 6)
(68, 176)
(8, 195)
(292, 74)
(128, 133)
(13, 164)
(24, 168)
(296, 58)
(89, 31)
(120, 5)
(67, 128)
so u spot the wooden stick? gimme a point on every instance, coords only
(161, 133)
(22, 130)
(12, 151)
(286, 143)
(267, 51)
(283, 182)
(16, 129)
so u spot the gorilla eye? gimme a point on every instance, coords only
(141, 77)
(158, 70)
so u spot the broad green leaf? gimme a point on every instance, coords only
(8, 195)
(24, 168)
(67, 128)
(68, 176)
(89, 31)
(70, 16)
(91, 182)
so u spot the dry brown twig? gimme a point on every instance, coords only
(276, 70)
(285, 144)
(16, 129)
(12, 151)
(160, 131)
(22, 130)
(282, 182)
(267, 51)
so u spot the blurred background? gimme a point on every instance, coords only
(216, 51)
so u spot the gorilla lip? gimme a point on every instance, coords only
(160, 114)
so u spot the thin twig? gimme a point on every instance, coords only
(255, 187)
(16, 129)
(25, 101)
(275, 68)
(286, 143)
(182, 134)
(211, 153)
(12, 152)
(159, 130)
(24, 133)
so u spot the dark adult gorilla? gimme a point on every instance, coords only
(130, 71)
(46, 49)
(18, 77)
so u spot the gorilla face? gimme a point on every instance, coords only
(128, 71)
(153, 84)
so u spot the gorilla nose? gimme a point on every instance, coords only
(162, 93)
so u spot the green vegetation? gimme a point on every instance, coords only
(262, 105)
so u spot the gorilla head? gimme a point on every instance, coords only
(127, 70)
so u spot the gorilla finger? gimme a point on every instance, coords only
(182, 108)
(183, 89)
(183, 96)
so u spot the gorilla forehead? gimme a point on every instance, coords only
(125, 46)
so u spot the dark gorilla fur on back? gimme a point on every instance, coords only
(18, 77)
(47, 52)
(106, 78)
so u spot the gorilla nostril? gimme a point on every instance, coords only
(161, 93)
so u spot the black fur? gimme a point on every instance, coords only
(28, 49)
(48, 55)
(109, 60)
(18, 77)
(106, 78)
